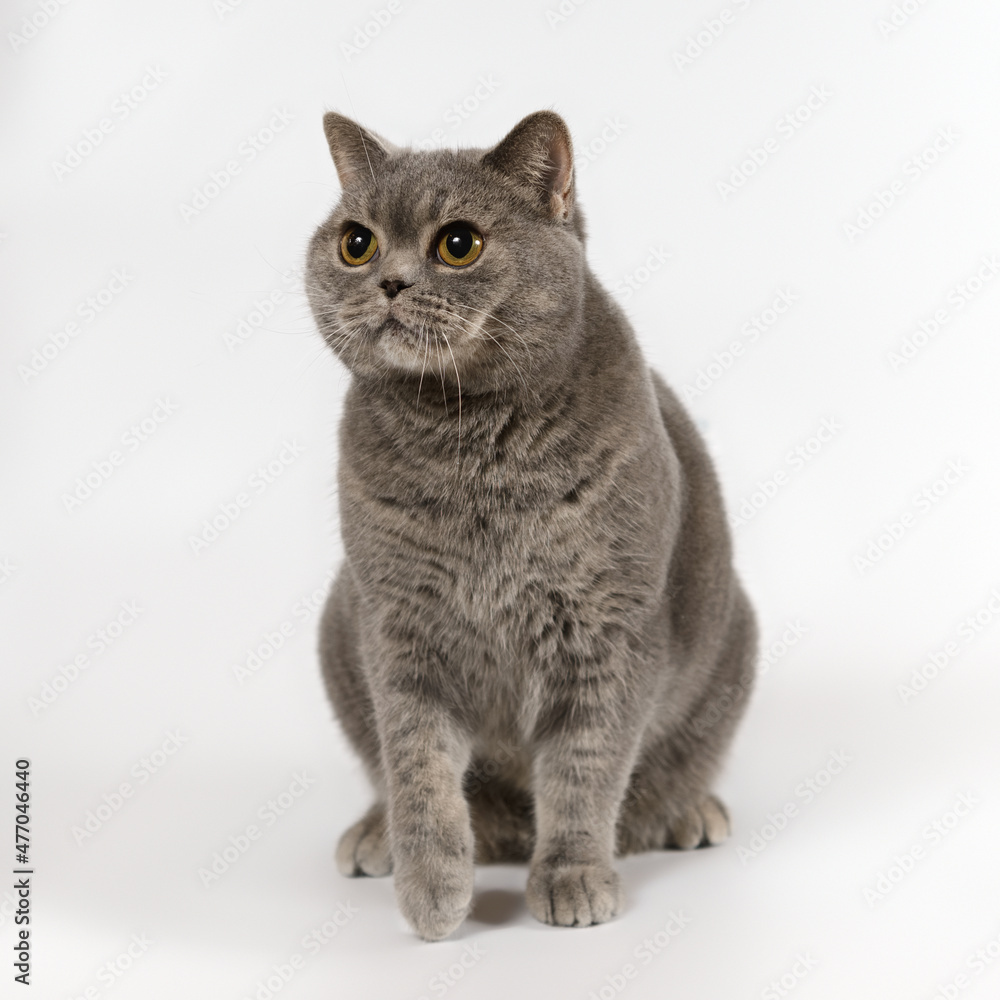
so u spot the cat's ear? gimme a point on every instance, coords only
(538, 154)
(356, 151)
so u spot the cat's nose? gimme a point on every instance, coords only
(393, 286)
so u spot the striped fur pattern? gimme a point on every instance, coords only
(536, 642)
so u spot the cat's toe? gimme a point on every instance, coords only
(364, 847)
(575, 895)
(701, 825)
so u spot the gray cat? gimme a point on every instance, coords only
(536, 643)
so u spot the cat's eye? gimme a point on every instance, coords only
(358, 245)
(459, 245)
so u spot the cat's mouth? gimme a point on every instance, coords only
(414, 331)
(413, 344)
(403, 345)
(393, 326)
(398, 335)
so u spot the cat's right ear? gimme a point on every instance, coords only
(538, 154)
(356, 151)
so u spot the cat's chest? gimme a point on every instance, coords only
(530, 577)
(525, 543)
(509, 565)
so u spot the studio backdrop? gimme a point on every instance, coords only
(795, 204)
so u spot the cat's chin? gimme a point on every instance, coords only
(414, 350)
(404, 348)
(402, 357)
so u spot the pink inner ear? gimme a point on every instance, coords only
(538, 154)
(561, 175)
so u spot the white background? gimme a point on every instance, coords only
(651, 183)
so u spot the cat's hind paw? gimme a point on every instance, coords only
(703, 825)
(364, 847)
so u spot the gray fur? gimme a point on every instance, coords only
(539, 562)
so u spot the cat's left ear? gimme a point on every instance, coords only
(357, 152)
(538, 154)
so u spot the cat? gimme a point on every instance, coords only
(536, 641)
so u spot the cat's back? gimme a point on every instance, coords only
(704, 588)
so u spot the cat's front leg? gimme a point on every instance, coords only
(582, 763)
(424, 756)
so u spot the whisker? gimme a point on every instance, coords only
(444, 394)
(490, 315)
(458, 379)
(423, 365)
(297, 272)
(479, 329)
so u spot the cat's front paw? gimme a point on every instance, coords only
(435, 893)
(574, 895)
(364, 847)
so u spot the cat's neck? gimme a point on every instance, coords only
(436, 418)
(430, 418)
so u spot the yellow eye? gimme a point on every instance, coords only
(358, 245)
(459, 245)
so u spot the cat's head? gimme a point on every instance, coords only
(461, 265)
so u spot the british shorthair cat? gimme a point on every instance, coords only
(536, 643)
